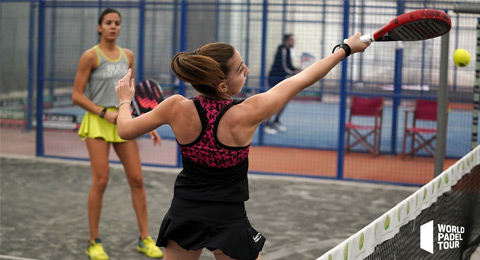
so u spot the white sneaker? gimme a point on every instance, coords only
(269, 130)
(280, 127)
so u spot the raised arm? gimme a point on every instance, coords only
(262, 106)
(130, 128)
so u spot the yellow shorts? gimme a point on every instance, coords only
(93, 126)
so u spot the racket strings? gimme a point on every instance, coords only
(154, 91)
(420, 30)
(148, 96)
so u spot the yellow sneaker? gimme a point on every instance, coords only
(148, 247)
(95, 250)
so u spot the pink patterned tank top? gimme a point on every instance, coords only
(207, 150)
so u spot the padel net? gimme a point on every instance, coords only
(440, 221)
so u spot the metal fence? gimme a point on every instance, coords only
(41, 42)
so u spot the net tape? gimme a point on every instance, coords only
(451, 199)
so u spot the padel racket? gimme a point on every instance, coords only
(148, 94)
(412, 26)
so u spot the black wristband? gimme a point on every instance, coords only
(345, 47)
(102, 114)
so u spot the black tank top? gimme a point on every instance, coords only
(212, 171)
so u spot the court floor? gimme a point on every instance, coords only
(43, 210)
(43, 207)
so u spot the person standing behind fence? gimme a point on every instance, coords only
(98, 71)
(214, 133)
(282, 68)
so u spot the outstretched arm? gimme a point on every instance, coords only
(262, 106)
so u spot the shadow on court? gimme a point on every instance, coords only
(44, 215)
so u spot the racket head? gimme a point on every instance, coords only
(148, 94)
(415, 26)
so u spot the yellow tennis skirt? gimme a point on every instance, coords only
(93, 126)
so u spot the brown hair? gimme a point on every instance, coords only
(204, 68)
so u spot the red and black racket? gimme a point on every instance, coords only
(148, 94)
(412, 26)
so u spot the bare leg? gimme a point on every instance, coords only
(130, 158)
(174, 252)
(98, 151)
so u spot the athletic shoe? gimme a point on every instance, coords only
(95, 250)
(280, 127)
(148, 247)
(269, 130)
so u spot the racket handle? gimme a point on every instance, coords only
(367, 38)
(364, 38)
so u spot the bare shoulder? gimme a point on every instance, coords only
(177, 98)
(241, 111)
(175, 109)
(253, 110)
(129, 54)
(89, 58)
(252, 103)
(177, 102)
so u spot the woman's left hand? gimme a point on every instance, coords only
(155, 138)
(125, 88)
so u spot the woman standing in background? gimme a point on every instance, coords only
(98, 71)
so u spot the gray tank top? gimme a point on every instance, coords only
(104, 78)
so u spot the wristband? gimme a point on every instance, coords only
(124, 102)
(345, 47)
(102, 114)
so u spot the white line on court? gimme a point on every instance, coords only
(15, 258)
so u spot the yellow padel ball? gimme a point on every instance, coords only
(461, 57)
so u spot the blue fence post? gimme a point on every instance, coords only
(284, 17)
(51, 52)
(174, 37)
(31, 68)
(343, 96)
(397, 92)
(397, 85)
(141, 43)
(217, 19)
(40, 151)
(247, 37)
(263, 65)
(323, 40)
(183, 38)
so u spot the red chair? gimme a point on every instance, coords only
(365, 120)
(422, 131)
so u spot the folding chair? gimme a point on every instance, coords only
(422, 131)
(368, 112)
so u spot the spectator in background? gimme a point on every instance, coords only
(282, 68)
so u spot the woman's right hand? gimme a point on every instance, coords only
(356, 45)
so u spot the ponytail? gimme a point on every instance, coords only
(204, 68)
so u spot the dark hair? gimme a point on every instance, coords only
(286, 37)
(204, 68)
(105, 12)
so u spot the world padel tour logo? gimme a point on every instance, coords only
(448, 236)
